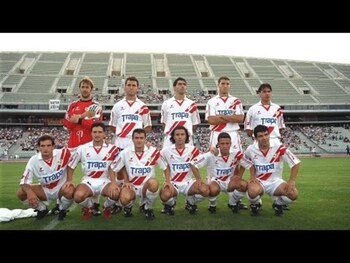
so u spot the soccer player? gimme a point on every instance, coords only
(224, 174)
(49, 168)
(139, 176)
(80, 115)
(179, 111)
(224, 112)
(266, 170)
(99, 179)
(180, 158)
(128, 114)
(265, 113)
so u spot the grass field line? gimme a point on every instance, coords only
(54, 222)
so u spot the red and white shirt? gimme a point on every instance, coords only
(95, 161)
(180, 161)
(269, 164)
(179, 113)
(48, 173)
(139, 167)
(224, 106)
(221, 167)
(126, 117)
(268, 115)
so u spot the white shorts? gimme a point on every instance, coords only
(52, 194)
(222, 184)
(183, 187)
(168, 143)
(235, 139)
(138, 188)
(270, 186)
(96, 184)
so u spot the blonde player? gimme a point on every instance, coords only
(49, 167)
(224, 112)
(179, 111)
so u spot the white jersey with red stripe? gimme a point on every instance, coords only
(49, 174)
(269, 164)
(95, 161)
(268, 115)
(179, 113)
(224, 106)
(220, 167)
(139, 167)
(180, 161)
(126, 117)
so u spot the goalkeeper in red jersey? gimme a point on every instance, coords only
(80, 115)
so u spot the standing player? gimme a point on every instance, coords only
(49, 167)
(224, 174)
(179, 111)
(128, 114)
(178, 174)
(139, 177)
(95, 157)
(265, 113)
(266, 170)
(224, 112)
(80, 115)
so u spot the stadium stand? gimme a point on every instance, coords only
(310, 93)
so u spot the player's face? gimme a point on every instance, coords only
(180, 137)
(85, 90)
(139, 140)
(224, 145)
(46, 149)
(224, 87)
(97, 134)
(263, 139)
(181, 87)
(131, 88)
(265, 94)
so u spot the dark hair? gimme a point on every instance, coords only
(138, 131)
(132, 78)
(180, 128)
(98, 124)
(177, 80)
(224, 135)
(263, 86)
(223, 77)
(46, 137)
(260, 128)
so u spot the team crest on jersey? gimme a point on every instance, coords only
(171, 106)
(255, 156)
(131, 159)
(217, 104)
(121, 108)
(59, 162)
(41, 169)
(259, 112)
(88, 155)
(172, 157)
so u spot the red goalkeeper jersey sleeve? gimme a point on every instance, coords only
(81, 133)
